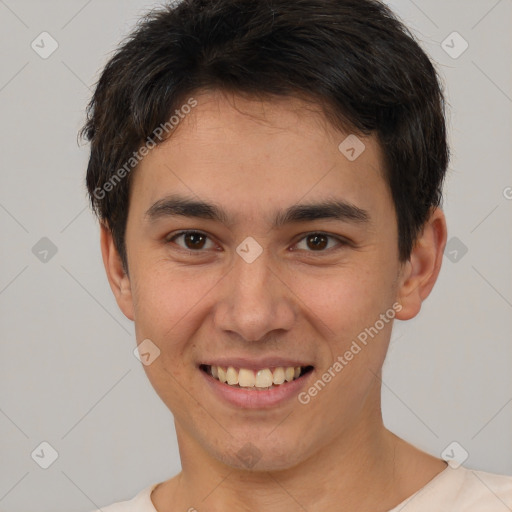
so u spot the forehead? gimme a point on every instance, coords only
(233, 117)
(282, 149)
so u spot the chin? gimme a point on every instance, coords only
(259, 455)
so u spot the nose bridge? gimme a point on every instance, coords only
(254, 300)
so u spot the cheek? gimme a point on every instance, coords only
(346, 307)
(167, 302)
(345, 299)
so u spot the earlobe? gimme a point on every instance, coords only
(419, 274)
(118, 279)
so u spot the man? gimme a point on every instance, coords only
(268, 178)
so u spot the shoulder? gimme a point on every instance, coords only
(460, 489)
(140, 503)
(480, 490)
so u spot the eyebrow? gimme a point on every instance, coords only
(177, 205)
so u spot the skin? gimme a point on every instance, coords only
(252, 158)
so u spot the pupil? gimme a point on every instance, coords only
(194, 238)
(316, 241)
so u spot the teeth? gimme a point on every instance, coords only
(246, 378)
(279, 375)
(264, 378)
(232, 376)
(261, 379)
(222, 374)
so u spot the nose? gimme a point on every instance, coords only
(256, 300)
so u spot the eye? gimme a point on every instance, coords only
(193, 240)
(319, 241)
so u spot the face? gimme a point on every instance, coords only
(264, 280)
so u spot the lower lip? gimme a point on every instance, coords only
(253, 399)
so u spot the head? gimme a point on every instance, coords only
(230, 119)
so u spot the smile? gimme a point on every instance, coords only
(258, 380)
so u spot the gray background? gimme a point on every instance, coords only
(68, 375)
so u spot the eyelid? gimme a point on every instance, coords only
(342, 241)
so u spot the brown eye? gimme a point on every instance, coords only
(317, 242)
(192, 240)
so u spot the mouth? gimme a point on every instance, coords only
(262, 379)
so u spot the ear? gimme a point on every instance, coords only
(419, 273)
(117, 277)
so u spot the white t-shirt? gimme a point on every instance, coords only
(452, 490)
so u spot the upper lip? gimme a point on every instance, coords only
(255, 364)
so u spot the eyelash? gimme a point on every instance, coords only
(341, 241)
